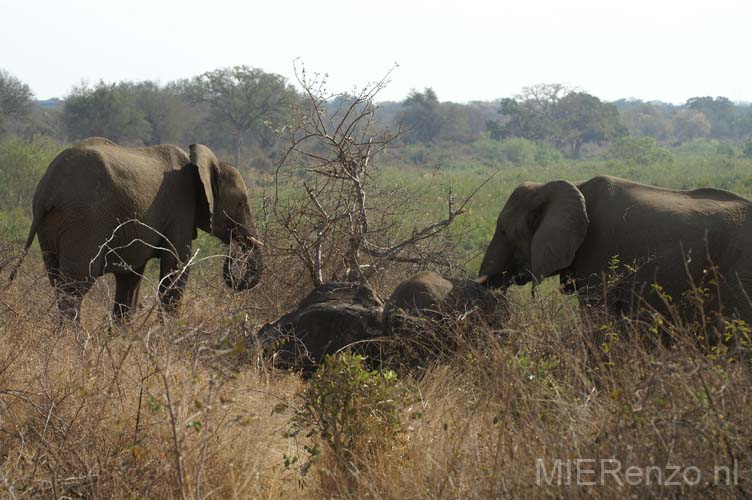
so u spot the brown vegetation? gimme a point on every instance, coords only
(188, 407)
(183, 408)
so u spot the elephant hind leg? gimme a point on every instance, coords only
(127, 286)
(69, 292)
(69, 243)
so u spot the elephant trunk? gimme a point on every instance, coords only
(243, 264)
(495, 268)
(504, 264)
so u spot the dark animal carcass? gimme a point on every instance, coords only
(332, 317)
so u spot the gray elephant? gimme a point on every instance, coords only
(432, 295)
(332, 317)
(102, 208)
(423, 312)
(586, 231)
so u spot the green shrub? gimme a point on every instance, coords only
(547, 155)
(725, 149)
(14, 225)
(639, 150)
(698, 147)
(747, 149)
(515, 151)
(22, 164)
(352, 409)
(518, 151)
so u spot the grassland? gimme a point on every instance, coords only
(186, 408)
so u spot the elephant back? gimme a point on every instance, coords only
(341, 292)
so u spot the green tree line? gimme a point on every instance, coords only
(239, 109)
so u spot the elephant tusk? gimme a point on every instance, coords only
(481, 280)
(255, 241)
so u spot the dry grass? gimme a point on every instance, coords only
(179, 409)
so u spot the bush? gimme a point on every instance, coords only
(515, 151)
(547, 155)
(518, 151)
(639, 150)
(698, 147)
(352, 409)
(747, 149)
(725, 149)
(14, 225)
(22, 164)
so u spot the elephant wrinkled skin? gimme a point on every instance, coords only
(583, 231)
(102, 208)
(431, 295)
(332, 317)
(424, 313)
(337, 315)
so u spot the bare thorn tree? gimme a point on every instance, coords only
(332, 214)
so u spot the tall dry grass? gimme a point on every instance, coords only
(184, 408)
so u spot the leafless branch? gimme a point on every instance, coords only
(341, 222)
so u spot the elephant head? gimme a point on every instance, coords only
(228, 216)
(429, 295)
(537, 234)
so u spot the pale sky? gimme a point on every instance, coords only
(466, 50)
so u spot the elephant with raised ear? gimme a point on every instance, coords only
(102, 208)
(588, 230)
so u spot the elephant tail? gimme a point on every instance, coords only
(29, 240)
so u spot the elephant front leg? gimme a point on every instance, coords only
(172, 279)
(127, 286)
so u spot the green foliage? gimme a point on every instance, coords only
(691, 124)
(465, 123)
(14, 225)
(242, 102)
(131, 113)
(564, 118)
(639, 150)
(15, 98)
(105, 110)
(698, 147)
(423, 116)
(168, 115)
(720, 113)
(518, 151)
(352, 409)
(536, 371)
(527, 119)
(747, 149)
(646, 119)
(725, 149)
(430, 170)
(515, 151)
(22, 164)
(585, 119)
(547, 155)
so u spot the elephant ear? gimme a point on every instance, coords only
(208, 166)
(563, 224)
